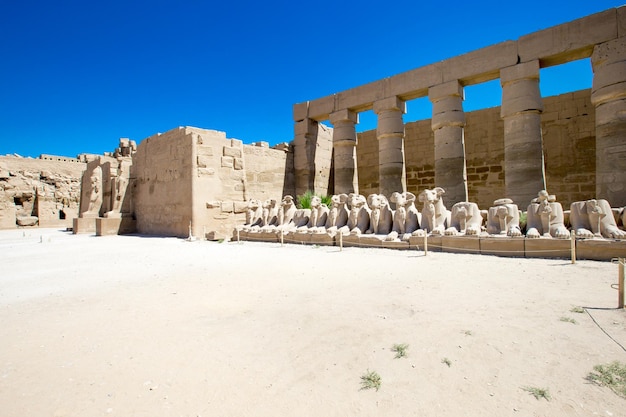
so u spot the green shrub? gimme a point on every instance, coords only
(304, 200)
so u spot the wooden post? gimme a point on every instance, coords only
(620, 283)
(573, 246)
(426, 243)
(237, 235)
(281, 237)
(340, 242)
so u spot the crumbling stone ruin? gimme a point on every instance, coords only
(391, 186)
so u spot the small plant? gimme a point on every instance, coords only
(304, 200)
(446, 361)
(220, 241)
(568, 320)
(577, 309)
(468, 333)
(370, 379)
(538, 393)
(612, 375)
(400, 350)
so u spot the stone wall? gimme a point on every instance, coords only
(163, 186)
(46, 192)
(269, 171)
(568, 127)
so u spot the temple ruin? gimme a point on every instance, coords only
(492, 167)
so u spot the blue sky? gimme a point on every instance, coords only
(75, 76)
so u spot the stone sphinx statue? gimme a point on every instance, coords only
(358, 215)
(544, 217)
(435, 216)
(381, 215)
(406, 219)
(465, 219)
(254, 216)
(503, 218)
(337, 214)
(270, 215)
(317, 218)
(95, 194)
(594, 218)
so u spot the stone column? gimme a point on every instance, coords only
(304, 155)
(390, 134)
(608, 95)
(344, 151)
(523, 144)
(448, 124)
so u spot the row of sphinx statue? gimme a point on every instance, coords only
(354, 214)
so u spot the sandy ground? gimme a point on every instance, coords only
(143, 326)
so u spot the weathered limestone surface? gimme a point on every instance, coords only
(523, 143)
(609, 97)
(448, 122)
(312, 156)
(390, 134)
(46, 189)
(344, 151)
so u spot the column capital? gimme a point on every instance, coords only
(440, 91)
(390, 103)
(344, 115)
(527, 70)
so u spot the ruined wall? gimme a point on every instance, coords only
(568, 127)
(269, 171)
(42, 192)
(163, 191)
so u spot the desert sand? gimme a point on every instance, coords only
(146, 326)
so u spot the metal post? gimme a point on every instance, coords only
(620, 284)
(573, 246)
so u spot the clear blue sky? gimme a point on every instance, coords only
(75, 76)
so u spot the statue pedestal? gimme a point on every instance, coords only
(512, 247)
(84, 225)
(547, 248)
(461, 244)
(114, 226)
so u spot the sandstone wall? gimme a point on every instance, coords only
(163, 186)
(568, 126)
(269, 172)
(46, 189)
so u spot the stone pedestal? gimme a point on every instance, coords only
(344, 150)
(461, 244)
(448, 124)
(608, 94)
(511, 247)
(523, 144)
(115, 226)
(548, 248)
(84, 225)
(600, 249)
(390, 135)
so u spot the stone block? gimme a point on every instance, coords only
(227, 207)
(569, 41)
(362, 97)
(204, 150)
(450, 88)
(236, 143)
(302, 238)
(230, 151)
(482, 65)
(202, 172)
(502, 246)
(415, 83)
(434, 243)
(390, 103)
(115, 226)
(300, 111)
(240, 206)
(27, 220)
(322, 239)
(621, 21)
(320, 109)
(519, 72)
(461, 244)
(547, 248)
(348, 241)
(398, 245)
(203, 161)
(600, 249)
(84, 225)
(227, 161)
(238, 163)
